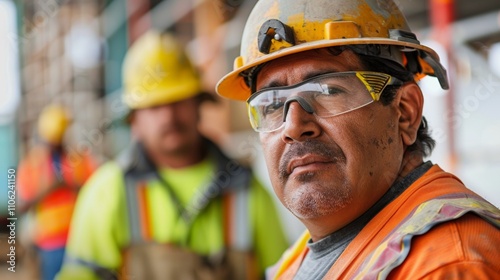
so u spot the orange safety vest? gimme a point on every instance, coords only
(394, 244)
(53, 186)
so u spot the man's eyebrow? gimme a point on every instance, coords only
(312, 74)
(272, 84)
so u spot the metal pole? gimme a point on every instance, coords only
(442, 15)
(137, 23)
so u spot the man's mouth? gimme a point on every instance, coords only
(309, 156)
(307, 163)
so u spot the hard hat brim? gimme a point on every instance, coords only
(162, 96)
(232, 85)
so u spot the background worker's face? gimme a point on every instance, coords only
(170, 129)
(329, 168)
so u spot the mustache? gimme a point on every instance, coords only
(309, 146)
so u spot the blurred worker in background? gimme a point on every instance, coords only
(48, 182)
(172, 206)
(331, 88)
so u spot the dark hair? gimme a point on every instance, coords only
(424, 144)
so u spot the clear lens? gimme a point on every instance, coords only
(329, 95)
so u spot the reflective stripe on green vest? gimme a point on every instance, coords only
(237, 220)
(396, 247)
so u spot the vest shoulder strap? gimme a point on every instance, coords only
(137, 170)
(138, 216)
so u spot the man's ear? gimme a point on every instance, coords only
(410, 103)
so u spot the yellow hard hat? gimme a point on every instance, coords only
(52, 124)
(277, 28)
(157, 71)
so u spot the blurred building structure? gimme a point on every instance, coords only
(71, 52)
(61, 63)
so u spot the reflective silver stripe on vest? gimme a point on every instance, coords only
(240, 224)
(396, 247)
(133, 210)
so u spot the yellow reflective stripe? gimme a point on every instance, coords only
(292, 253)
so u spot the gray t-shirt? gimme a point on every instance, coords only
(325, 252)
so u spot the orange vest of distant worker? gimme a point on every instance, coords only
(436, 229)
(52, 188)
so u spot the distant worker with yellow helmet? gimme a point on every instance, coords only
(172, 206)
(49, 179)
(330, 87)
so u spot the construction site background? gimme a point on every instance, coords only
(71, 51)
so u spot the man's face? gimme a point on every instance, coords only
(170, 129)
(331, 168)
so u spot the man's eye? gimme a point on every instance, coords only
(273, 107)
(333, 90)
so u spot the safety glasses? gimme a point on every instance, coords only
(326, 95)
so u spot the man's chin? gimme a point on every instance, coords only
(175, 150)
(173, 143)
(309, 197)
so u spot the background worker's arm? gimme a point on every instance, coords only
(99, 227)
(269, 238)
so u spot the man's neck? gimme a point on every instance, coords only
(181, 159)
(411, 160)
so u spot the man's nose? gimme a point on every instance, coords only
(300, 122)
(303, 103)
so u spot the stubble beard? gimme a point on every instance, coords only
(315, 197)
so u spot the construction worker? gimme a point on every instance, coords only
(173, 206)
(331, 88)
(48, 183)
